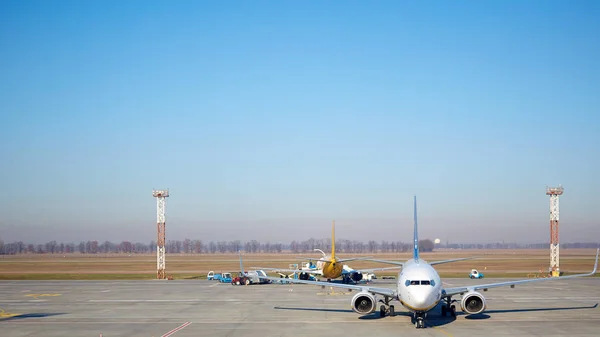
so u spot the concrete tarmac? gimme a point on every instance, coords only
(183, 308)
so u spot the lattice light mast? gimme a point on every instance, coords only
(161, 200)
(554, 193)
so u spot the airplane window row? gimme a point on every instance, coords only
(419, 282)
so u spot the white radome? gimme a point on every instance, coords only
(436, 241)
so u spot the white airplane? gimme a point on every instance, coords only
(420, 289)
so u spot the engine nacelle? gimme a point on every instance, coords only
(364, 303)
(473, 303)
(356, 276)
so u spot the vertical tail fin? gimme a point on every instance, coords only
(333, 240)
(416, 243)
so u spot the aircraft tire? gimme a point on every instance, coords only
(382, 311)
(392, 312)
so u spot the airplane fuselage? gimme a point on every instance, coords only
(419, 286)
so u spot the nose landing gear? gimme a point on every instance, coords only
(419, 320)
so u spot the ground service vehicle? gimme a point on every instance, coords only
(475, 274)
(226, 278)
(242, 278)
(212, 276)
(251, 277)
(255, 276)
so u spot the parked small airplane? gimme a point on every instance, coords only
(420, 289)
(330, 267)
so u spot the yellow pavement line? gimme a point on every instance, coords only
(42, 295)
(4, 314)
(443, 331)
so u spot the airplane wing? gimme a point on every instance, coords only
(460, 290)
(315, 271)
(374, 290)
(398, 263)
(317, 259)
(314, 258)
(451, 260)
(369, 270)
(352, 259)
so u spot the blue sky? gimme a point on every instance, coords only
(268, 119)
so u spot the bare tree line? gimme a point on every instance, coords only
(189, 246)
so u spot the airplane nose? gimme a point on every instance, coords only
(420, 299)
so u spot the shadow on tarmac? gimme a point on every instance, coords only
(485, 315)
(30, 315)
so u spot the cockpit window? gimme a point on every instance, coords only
(419, 282)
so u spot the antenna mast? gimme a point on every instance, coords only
(554, 193)
(161, 201)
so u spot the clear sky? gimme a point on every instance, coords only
(268, 119)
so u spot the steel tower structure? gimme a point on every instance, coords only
(554, 193)
(161, 201)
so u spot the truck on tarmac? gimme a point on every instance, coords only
(212, 276)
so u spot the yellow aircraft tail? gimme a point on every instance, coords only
(333, 241)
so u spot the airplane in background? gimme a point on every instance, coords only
(419, 289)
(330, 267)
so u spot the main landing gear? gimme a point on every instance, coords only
(386, 308)
(449, 308)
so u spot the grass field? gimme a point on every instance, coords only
(493, 263)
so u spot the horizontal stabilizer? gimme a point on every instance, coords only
(317, 259)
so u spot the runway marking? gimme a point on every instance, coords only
(176, 329)
(214, 285)
(443, 331)
(105, 291)
(41, 295)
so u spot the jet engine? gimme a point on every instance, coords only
(357, 276)
(303, 276)
(473, 303)
(364, 303)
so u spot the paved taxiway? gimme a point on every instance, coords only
(182, 308)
